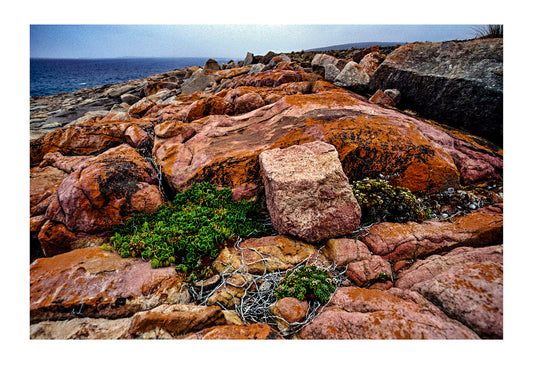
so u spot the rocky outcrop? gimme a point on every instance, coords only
(466, 283)
(307, 193)
(382, 98)
(357, 313)
(115, 185)
(345, 250)
(353, 76)
(199, 81)
(171, 321)
(254, 331)
(370, 141)
(368, 271)
(95, 283)
(412, 240)
(456, 83)
(439, 279)
(81, 328)
(262, 255)
(83, 139)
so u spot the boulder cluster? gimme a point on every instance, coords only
(294, 136)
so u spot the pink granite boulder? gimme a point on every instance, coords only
(308, 194)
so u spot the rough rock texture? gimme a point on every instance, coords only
(171, 321)
(269, 78)
(41, 180)
(371, 62)
(256, 68)
(212, 64)
(345, 250)
(322, 60)
(81, 328)
(394, 241)
(308, 195)
(262, 255)
(358, 55)
(95, 283)
(230, 293)
(380, 97)
(353, 76)
(290, 309)
(432, 266)
(83, 139)
(204, 107)
(83, 179)
(357, 313)
(370, 140)
(66, 163)
(257, 331)
(368, 270)
(471, 293)
(138, 109)
(114, 186)
(199, 81)
(466, 283)
(457, 83)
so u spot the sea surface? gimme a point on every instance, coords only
(51, 76)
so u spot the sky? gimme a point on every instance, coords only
(220, 40)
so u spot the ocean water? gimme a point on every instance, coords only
(51, 76)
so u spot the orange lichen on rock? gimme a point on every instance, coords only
(371, 146)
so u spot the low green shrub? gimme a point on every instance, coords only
(306, 282)
(190, 227)
(379, 201)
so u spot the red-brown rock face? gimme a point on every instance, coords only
(466, 283)
(308, 195)
(370, 141)
(114, 186)
(82, 139)
(357, 313)
(95, 283)
(411, 240)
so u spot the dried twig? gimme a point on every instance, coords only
(254, 306)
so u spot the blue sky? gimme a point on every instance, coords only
(219, 40)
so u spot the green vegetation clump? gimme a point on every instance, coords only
(379, 201)
(190, 227)
(306, 282)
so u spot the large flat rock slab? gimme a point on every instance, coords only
(357, 313)
(95, 283)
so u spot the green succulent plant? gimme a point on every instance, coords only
(190, 227)
(305, 283)
(379, 201)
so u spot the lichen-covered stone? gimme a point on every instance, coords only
(117, 184)
(308, 195)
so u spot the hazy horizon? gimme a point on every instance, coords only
(223, 41)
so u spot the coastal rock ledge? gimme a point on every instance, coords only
(275, 131)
